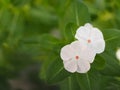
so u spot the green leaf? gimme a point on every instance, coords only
(16, 29)
(81, 13)
(42, 47)
(77, 13)
(56, 72)
(70, 83)
(43, 16)
(44, 41)
(112, 67)
(45, 64)
(70, 32)
(99, 63)
(94, 80)
(20, 2)
(5, 17)
(111, 34)
(84, 82)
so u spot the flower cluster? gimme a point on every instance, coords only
(78, 55)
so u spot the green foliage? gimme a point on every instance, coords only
(34, 31)
(56, 71)
(77, 13)
(69, 32)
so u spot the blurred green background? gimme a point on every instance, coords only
(32, 33)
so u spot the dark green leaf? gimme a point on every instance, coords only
(44, 41)
(77, 13)
(56, 72)
(70, 83)
(43, 16)
(111, 34)
(93, 80)
(99, 63)
(70, 32)
(84, 81)
(112, 66)
(81, 13)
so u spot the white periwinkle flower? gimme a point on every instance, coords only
(91, 36)
(118, 54)
(77, 57)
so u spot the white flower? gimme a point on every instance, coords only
(77, 57)
(118, 54)
(91, 36)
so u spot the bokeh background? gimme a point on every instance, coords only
(32, 33)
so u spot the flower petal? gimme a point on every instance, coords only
(70, 65)
(82, 33)
(67, 53)
(96, 34)
(88, 25)
(88, 54)
(98, 46)
(83, 66)
(84, 51)
(78, 46)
